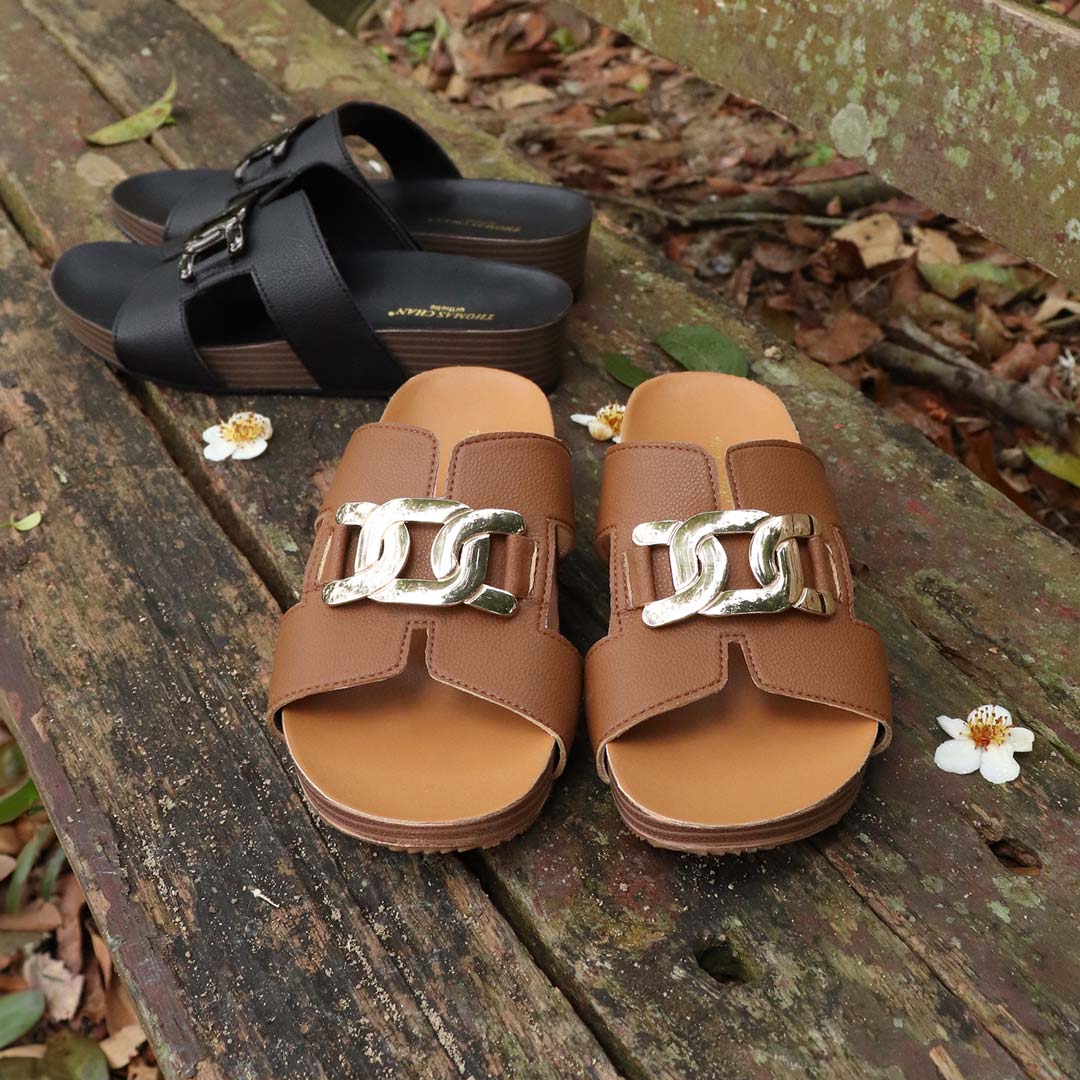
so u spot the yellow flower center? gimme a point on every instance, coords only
(243, 427)
(987, 730)
(612, 415)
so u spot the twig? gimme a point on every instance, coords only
(853, 191)
(908, 330)
(685, 221)
(1007, 398)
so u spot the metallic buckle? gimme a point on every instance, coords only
(276, 147)
(224, 231)
(699, 566)
(459, 555)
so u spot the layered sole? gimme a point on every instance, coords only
(563, 256)
(736, 839)
(436, 838)
(537, 353)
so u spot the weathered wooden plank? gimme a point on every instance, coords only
(633, 1012)
(134, 645)
(973, 106)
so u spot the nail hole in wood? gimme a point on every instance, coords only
(1016, 857)
(719, 960)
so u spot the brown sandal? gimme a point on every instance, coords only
(733, 733)
(421, 684)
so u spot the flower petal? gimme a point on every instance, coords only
(1020, 740)
(212, 434)
(998, 765)
(957, 756)
(250, 449)
(218, 450)
(582, 418)
(957, 729)
(997, 713)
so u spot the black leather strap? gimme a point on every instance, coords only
(312, 307)
(151, 336)
(407, 148)
(286, 256)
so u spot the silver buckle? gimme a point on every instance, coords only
(459, 555)
(275, 147)
(224, 231)
(699, 566)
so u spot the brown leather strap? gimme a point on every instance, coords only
(520, 661)
(637, 671)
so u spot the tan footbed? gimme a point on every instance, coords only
(407, 761)
(741, 757)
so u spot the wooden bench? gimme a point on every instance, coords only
(917, 939)
(972, 106)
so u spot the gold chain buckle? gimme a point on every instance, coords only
(459, 554)
(699, 566)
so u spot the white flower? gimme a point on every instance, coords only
(243, 435)
(986, 741)
(606, 424)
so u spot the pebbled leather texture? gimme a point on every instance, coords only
(637, 672)
(520, 662)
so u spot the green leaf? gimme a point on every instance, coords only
(50, 872)
(995, 284)
(19, 1012)
(139, 126)
(24, 863)
(12, 765)
(419, 44)
(818, 154)
(563, 38)
(20, 1068)
(18, 801)
(31, 521)
(619, 366)
(701, 348)
(1063, 464)
(73, 1057)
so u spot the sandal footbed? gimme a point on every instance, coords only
(742, 758)
(410, 762)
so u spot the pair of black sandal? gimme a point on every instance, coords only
(294, 272)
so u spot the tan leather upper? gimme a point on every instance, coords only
(637, 672)
(521, 661)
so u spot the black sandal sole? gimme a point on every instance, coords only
(537, 353)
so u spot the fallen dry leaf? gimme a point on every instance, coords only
(934, 246)
(120, 1048)
(1025, 357)
(779, 258)
(524, 94)
(7, 864)
(878, 239)
(27, 1050)
(62, 990)
(140, 1070)
(1057, 300)
(37, 917)
(69, 934)
(849, 335)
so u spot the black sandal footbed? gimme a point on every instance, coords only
(524, 223)
(421, 308)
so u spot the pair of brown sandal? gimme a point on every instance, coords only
(428, 698)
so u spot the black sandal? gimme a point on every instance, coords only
(529, 224)
(307, 284)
